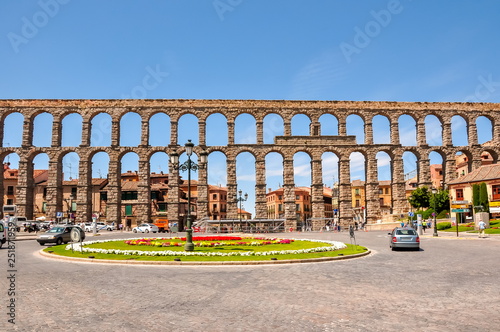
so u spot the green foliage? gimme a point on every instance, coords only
(420, 197)
(443, 214)
(483, 197)
(443, 225)
(475, 197)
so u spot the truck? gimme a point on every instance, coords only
(162, 225)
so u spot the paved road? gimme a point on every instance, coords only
(449, 285)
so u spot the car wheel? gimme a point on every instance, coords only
(38, 243)
(147, 230)
(135, 230)
(59, 241)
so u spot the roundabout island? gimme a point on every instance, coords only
(208, 250)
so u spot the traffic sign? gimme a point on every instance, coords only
(459, 206)
(411, 214)
(460, 210)
(459, 202)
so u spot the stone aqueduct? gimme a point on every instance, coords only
(315, 145)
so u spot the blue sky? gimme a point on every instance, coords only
(405, 50)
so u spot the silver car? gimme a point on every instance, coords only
(402, 237)
(59, 234)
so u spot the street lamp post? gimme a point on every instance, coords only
(188, 166)
(434, 192)
(241, 200)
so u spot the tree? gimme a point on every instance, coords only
(420, 197)
(476, 201)
(483, 197)
(442, 201)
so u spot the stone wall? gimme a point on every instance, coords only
(315, 145)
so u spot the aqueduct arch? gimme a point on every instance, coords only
(342, 145)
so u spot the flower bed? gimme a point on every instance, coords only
(207, 241)
(332, 246)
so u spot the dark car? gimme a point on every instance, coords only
(402, 237)
(59, 234)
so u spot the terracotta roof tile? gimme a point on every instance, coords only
(483, 173)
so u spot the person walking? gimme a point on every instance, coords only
(482, 226)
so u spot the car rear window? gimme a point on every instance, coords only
(405, 232)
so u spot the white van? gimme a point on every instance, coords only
(18, 221)
(3, 234)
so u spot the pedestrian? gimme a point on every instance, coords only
(402, 224)
(424, 225)
(481, 225)
(121, 227)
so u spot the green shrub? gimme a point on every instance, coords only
(443, 214)
(443, 225)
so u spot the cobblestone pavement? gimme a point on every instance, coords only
(449, 285)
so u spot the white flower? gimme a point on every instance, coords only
(334, 245)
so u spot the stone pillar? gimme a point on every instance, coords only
(449, 171)
(86, 127)
(232, 187)
(260, 131)
(230, 132)
(421, 139)
(287, 127)
(373, 212)
(202, 132)
(144, 133)
(143, 210)
(447, 133)
(24, 189)
(342, 126)
(424, 173)
(345, 193)
(399, 201)
(315, 129)
(173, 206)
(260, 189)
(394, 132)
(173, 132)
(27, 133)
(84, 192)
(289, 193)
(115, 133)
(496, 131)
(56, 134)
(113, 204)
(472, 133)
(317, 200)
(54, 190)
(368, 133)
(202, 201)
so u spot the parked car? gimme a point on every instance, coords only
(402, 237)
(59, 234)
(111, 227)
(145, 228)
(89, 227)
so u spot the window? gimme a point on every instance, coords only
(280, 197)
(356, 191)
(129, 195)
(214, 196)
(380, 191)
(357, 203)
(280, 207)
(162, 207)
(73, 192)
(496, 191)
(297, 207)
(460, 194)
(387, 191)
(10, 190)
(154, 195)
(128, 210)
(10, 201)
(104, 196)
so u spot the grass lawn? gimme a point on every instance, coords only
(494, 228)
(296, 245)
